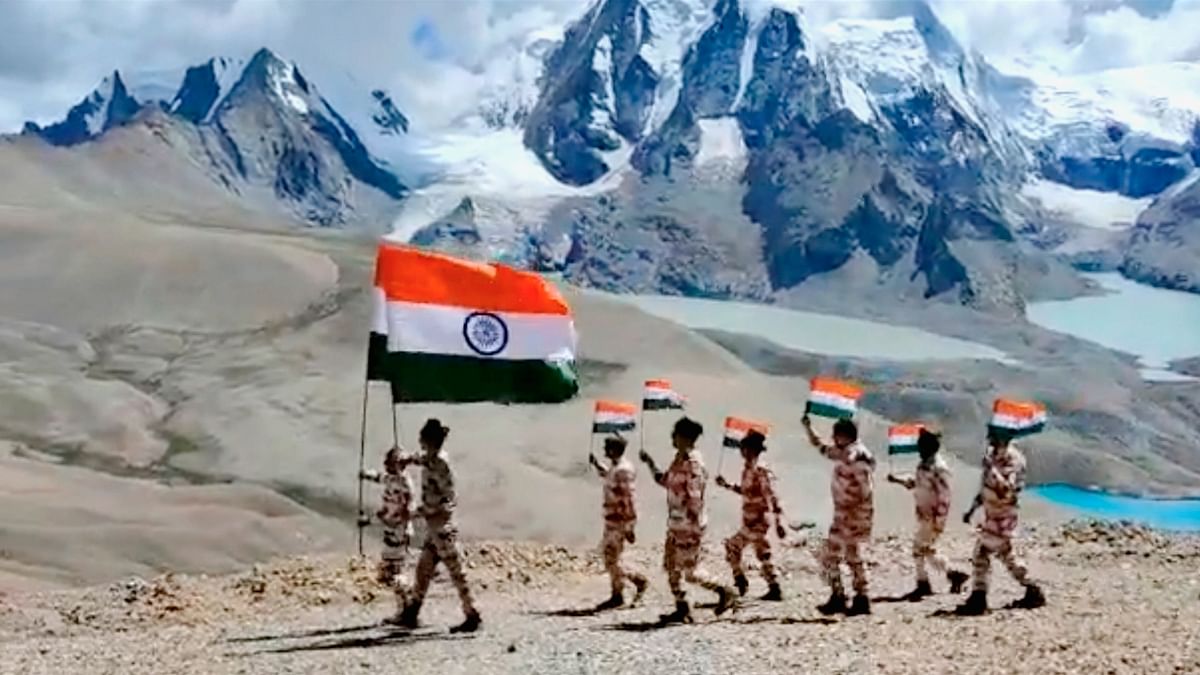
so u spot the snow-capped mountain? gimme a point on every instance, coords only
(263, 130)
(710, 147)
(108, 106)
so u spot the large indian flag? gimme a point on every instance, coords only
(614, 416)
(902, 438)
(832, 398)
(736, 429)
(447, 329)
(1015, 419)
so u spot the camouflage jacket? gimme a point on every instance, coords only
(759, 497)
(619, 505)
(1003, 480)
(931, 490)
(685, 480)
(438, 496)
(852, 485)
(396, 512)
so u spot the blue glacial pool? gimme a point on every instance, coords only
(1166, 514)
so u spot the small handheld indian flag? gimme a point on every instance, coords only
(660, 396)
(832, 398)
(902, 438)
(1015, 419)
(613, 416)
(736, 429)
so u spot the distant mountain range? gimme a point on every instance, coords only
(726, 149)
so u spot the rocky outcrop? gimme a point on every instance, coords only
(1164, 247)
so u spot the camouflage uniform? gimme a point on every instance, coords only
(759, 498)
(441, 534)
(931, 491)
(396, 517)
(1003, 480)
(853, 512)
(685, 480)
(620, 517)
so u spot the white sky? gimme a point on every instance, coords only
(53, 52)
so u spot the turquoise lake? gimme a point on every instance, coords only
(1156, 325)
(1167, 514)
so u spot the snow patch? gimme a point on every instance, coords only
(756, 18)
(100, 100)
(1100, 210)
(283, 83)
(494, 165)
(856, 100)
(890, 60)
(1162, 101)
(604, 101)
(721, 141)
(674, 26)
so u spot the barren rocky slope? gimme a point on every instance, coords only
(321, 615)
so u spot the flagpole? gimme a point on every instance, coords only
(362, 458)
(395, 428)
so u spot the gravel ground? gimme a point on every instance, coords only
(1122, 600)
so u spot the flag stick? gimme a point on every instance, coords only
(721, 456)
(362, 458)
(642, 429)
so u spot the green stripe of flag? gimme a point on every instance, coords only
(823, 410)
(661, 404)
(417, 378)
(1016, 433)
(902, 449)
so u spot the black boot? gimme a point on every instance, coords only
(742, 585)
(774, 594)
(835, 605)
(860, 607)
(922, 591)
(639, 586)
(407, 618)
(725, 601)
(1033, 598)
(975, 605)
(469, 625)
(612, 603)
(682, 613)
(957, 581)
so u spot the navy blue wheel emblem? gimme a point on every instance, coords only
(486, 334)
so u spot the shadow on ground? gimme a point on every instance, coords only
(319, 632)
(386, 638)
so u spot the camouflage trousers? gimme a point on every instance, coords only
(441, 546)
(924, 549)
(998, 545)
(843, 546)
(613, 542)
(681, 560)
(736, 545)
(391, 565)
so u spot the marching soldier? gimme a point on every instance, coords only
(853, 515)
(438, 500)
(620, 519)
(760, 504)
(1003, 480)
(685, 480)
(930, 485)
(395, 514)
